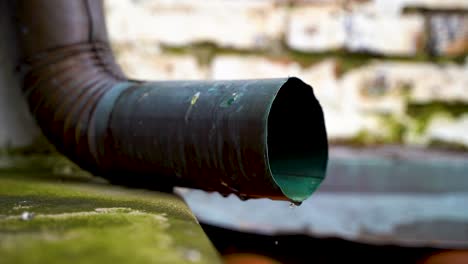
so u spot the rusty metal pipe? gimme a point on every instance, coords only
(254, 138)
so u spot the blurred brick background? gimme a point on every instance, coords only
(385, 71)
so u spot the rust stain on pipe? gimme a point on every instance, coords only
(254, 138)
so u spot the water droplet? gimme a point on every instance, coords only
(26, 216)
(192, 255)
(294, 204)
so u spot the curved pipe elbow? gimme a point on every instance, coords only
(253, 138)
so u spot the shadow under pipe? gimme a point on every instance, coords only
(253, 138)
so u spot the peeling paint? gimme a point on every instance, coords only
(193, 101)
(195, 98)
(231, 100)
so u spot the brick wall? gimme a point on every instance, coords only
(385, 71)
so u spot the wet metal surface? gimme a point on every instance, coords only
(385, 196)
(234, 136)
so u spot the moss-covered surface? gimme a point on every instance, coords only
(205, 52)
(39, 145)
(422, 113)
(452, 146)
(396, 129)
(51, 218)
(415, 121)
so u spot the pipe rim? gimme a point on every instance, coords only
(295, 161)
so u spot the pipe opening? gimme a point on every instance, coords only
(297, 148)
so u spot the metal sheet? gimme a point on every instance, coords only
(382, 196)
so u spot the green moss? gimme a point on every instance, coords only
(452, 146)
(422, 113)
(405, 89)
(40, 145)
(363, 138)
(90, 237)
(395, 128)
(279, 51)
(204, 52)
(307, 59)
(392, 131)
(51, 196)
(428, 11)
(455, 109)
(84, 222)
(51, 166)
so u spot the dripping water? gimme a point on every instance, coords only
(243, 197)
(294, 204)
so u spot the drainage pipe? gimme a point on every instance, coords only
(253, 138)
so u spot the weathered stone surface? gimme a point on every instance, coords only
(377, 88)
(317, 28)
(386, 86)
(145, 62)
(384, 90)
(348, 125)
(448, 130)
(398, 7)
(384, 34)
(341, 122)
(239, 24)
(248, 67)
(321, 76)
(448, 34)
(433, 4)
(45, 218)
(440, 83)
(363, 29)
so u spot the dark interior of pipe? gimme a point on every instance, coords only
(292, 138)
